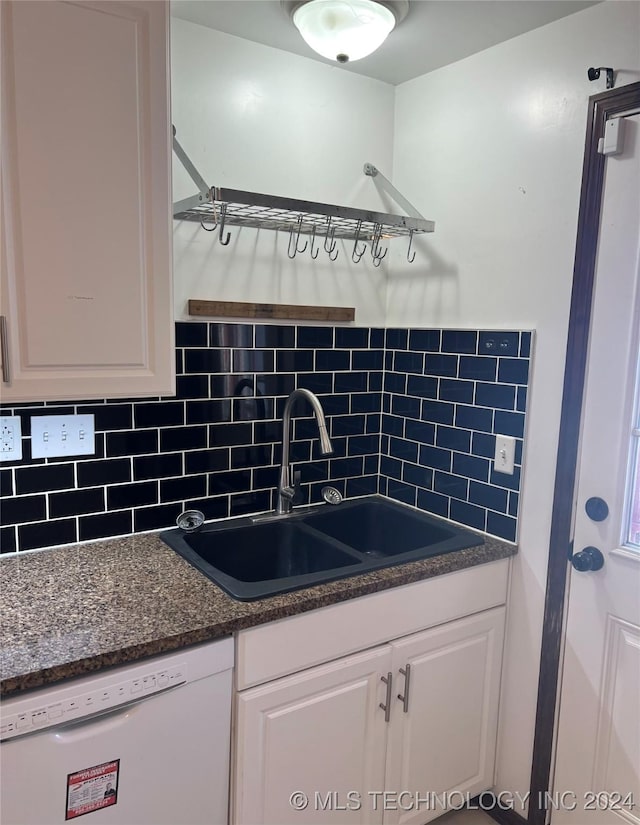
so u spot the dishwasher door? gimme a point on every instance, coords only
(142, 745)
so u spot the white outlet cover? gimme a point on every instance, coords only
(10, 438)
(62, 435)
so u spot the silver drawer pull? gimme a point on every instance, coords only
(406, 672)
(388, 680)
(4, 350)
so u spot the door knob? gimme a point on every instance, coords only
(588, 559)
(596, 508)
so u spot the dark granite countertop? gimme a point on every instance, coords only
(74, 610)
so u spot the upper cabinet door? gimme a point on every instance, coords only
(85, 239)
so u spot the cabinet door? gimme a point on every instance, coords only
(446, 739)
(321, 733)
(85, 244)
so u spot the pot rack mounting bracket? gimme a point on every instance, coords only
(385, 184)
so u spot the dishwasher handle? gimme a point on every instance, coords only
(95, 724)
(27, 718)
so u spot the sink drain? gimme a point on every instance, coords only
(331, 495)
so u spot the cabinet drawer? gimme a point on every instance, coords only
(292, 644)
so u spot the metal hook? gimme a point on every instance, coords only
(223, 215)
(313, 240)
(330, 247)
(378, 258)
(377, 261)
(306, 243)
(375, 246)
(289, 246)
(331, 230)
(296, 248)
(355, 255)
(215, 217)
(412, 259)
(374, 242)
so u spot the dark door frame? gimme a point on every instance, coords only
(601, 107)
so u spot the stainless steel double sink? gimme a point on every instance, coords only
(255, 558)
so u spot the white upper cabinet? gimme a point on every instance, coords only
(85, 238)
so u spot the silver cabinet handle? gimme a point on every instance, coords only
(388, 680)
(4, 351)
(406, 672)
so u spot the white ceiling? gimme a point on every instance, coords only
(433, 34)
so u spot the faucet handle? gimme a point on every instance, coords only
(291, 490)
(296, 484)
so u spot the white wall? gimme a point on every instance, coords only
(491, 149)
(256, 118)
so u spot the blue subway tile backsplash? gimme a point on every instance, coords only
(422, 339)
(413, 414)
(6, 483)
(459, 341)
(478, 368)
(452, 438)
(471, 467)
(473, 386)
(396, 339)
(50, 533)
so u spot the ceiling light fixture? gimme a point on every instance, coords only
(346, 30)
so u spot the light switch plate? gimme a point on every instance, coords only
(62, 435)
(10, 438)
(504, 458)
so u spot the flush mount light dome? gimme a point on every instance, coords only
(346, 30)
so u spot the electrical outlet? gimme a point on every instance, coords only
(504, 458)
(10, 438)
(62, 435)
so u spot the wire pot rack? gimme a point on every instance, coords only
(217, 208)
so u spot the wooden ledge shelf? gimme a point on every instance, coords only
(242, 309)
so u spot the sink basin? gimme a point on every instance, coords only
(377, 528)
(274, 550)
(253, 560)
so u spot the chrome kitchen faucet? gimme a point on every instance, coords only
(286, 489)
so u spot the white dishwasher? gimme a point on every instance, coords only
(144, 744)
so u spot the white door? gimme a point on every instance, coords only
(304, 742)
(597, 777)
(443, 724)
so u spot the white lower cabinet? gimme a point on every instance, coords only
(445, 741)
(320, 730)
(319, 746)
